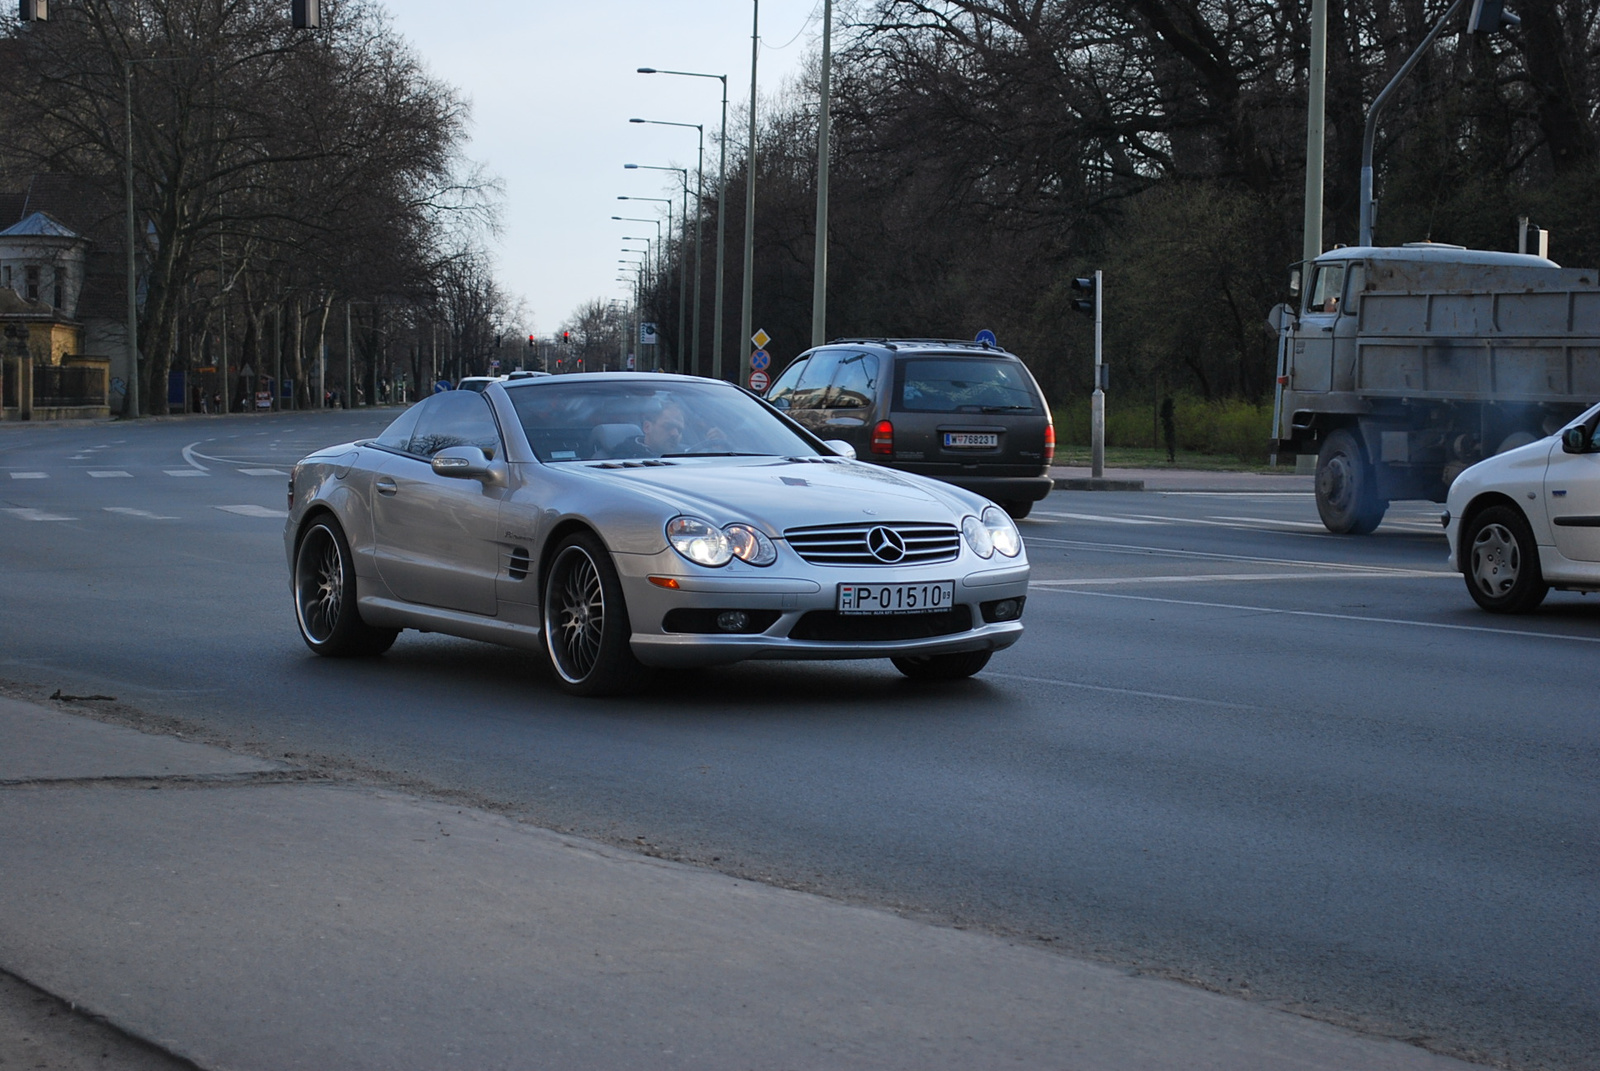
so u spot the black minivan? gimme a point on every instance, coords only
(968, 413)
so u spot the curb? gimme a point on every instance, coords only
(1096, 483)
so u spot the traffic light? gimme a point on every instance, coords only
(1490, 16)
(530, 342)
(1085, 304)
(35, 11)
(306, 14)
(566, 338)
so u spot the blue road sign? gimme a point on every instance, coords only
(987, 336)
(759, 360)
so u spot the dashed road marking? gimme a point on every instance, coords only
(1233, 578)
(185, 472)
(36, 515)
(129, 512)
(110, 474)
(1099, 518)
(253, 511)
(263, 472)
(30, 475)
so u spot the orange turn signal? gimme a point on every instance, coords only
(665, 582)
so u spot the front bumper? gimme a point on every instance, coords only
(800, 600)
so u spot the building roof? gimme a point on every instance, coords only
(39, 225)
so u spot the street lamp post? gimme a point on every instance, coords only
(722, 184)
(819, 278)
(747, 299)
(699, 200)
(683, 276)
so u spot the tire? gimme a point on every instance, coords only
(585, 619)
(1347, 498)
(944, 667)
(325, 596)
(1501, 562)
(1017, 509)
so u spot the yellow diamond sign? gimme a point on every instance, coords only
(760, 338)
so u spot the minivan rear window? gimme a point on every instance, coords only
(962, 385)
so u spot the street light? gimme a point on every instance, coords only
(683, 174)
(699, 199)
(747, 299)
(722, 183)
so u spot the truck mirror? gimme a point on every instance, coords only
(1575, 440)
(1279, 316)
(1294, 283)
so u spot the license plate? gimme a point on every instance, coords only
(970, 439)
(925, 598)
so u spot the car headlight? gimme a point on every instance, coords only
(700, 541)
(978, 537)
(1002, 532)
(750, 545)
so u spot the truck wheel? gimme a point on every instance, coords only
(1347, 498)
(1502, 562)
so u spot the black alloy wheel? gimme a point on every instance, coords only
(1502, 562)
(586, 623)
(325, 596)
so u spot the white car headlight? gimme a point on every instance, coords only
(1002, 532)
(978, 537)
(700, 541)
(750, 545)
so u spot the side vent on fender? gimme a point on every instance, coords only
(517, 566)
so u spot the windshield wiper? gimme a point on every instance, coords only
(720, 453)
(1004, 408)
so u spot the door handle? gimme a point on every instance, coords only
(385, 486)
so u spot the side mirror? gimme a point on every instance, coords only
(840, 447)
(1575, 440)
(462, 462)
(1294, 283)
(1279, 317)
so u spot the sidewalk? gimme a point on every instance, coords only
(233, 915)
(1074, 478)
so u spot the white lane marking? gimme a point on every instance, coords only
(1122, 691)
(35, 515)
(185, 472)
(128, 512)
(1227, 578)
(110, 474)
(79, 457)
(1101, 518)
(263, 472)
(1331, 617)
(189, 455)
(1238, 494)
(1268, 522)
(253, 511)
(30, 475)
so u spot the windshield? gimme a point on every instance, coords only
(588, 420)
(962, 385)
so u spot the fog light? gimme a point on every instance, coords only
(733, 621)
(1005, 609)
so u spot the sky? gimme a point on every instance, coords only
(553, 83)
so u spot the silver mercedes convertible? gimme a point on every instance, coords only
(624, 521)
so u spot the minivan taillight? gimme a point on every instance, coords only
(1049, 444)
(883, 438)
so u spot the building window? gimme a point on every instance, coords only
(5, 277)
(33, 283)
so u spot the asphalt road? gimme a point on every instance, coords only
(1232, 749)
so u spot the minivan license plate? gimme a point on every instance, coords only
(925, 598)
(971, 439)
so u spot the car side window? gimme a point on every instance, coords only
(781, 390)
(397, 436)
(811, 392)
(855, 383)
(455, 418)
(1327, 288)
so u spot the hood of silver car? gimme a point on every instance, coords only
(782, 493)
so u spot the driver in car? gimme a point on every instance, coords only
(662, 424)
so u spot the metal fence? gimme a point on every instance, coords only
(68, 386)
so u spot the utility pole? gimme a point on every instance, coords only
(747, 302)
(1097, 418)
(819, 278)
(1316, 125)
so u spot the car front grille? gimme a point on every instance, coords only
(899, 543)
(829, 625)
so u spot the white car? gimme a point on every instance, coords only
(1528, 520)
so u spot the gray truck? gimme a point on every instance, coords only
(1405, 365)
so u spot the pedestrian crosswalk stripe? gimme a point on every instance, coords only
(130, 512)
(29, 475)
(35, 515)
(185, 472)
(263, 472)
(253, 511)
(110, 474)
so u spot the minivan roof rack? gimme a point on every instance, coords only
(893, 343)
